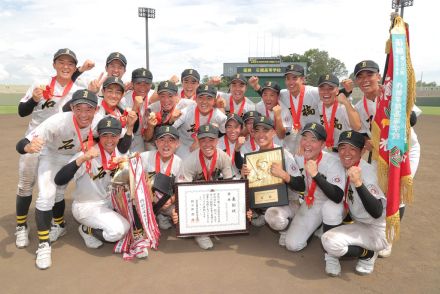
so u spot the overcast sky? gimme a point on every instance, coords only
(205, 34)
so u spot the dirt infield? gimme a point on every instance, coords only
(240, 264)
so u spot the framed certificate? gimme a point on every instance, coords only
(265, 190)
(212, 208)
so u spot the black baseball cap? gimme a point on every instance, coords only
(84, 96)
(65, 51)
(165, 130)
(250, 114)
(295, 69)
(113, 80)
(316, 129)
(271, 85)
(116, 56)
(167, 86)
(328, 79)
(239, 77)
(233, 116)
(206, 131)
(205, 89)
(109, 125)
(141, 75)
(368, 65)
(190, 73)
(264, 121)
(353, 138)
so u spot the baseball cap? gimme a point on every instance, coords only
(271, 85)
(329, 79)
(167, 86)
(316, 129)
(84, 96)
(233, 116)
(65, 51)
(141, 75)
(109, 125)
(368, 65)
(206, 131)
(113, 80)
(295, 69)
(250, 114)
(353, 138)
(239, 77)
(205, 89)
(164, 130)
(264, 121)
(116, 56)
(190, 73)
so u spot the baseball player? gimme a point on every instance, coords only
(264, 133)
(92, 206)
(115, 66)
(137, 100)
(164, 161)
(367, 77)
(336, 112)
(272, 107)
(196, 115)
(366, 204)
(235, 101)
(167, 109)
(302, 102)
(325, 181)
(206, 164)
(41, 103)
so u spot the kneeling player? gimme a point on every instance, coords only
(366, 204)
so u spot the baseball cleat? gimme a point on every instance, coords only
(56, 231)
(22, 237)
(366, 266)
(332, 266)
(204, 242)
(91, 241)
(44, 260)
(386, 252)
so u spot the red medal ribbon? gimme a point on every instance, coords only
(121, 116)
(84, 147)
(111, 165)
(268, 115)
(159, 118)
(48, 92)
(141, 125)
(347, 183)
(252, 141)
(310, 198)
(212, 166)
(296, 114)
(228, 150)
(231, 106)
(330, 125)
(182, 95)
(197, 121)
(170, 164)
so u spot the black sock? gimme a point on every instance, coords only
(22, 204)
(43, 219)
(401, 212)
(97, 233)
(326, 227)
(58, 213)
(357, 251)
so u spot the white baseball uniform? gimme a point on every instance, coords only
(323, 210)
(341, 122)
(222, 145)
(365, 231)
(247, 106)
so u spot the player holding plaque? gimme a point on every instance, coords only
(276, 217)
(206, 163)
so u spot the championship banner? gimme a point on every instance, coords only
(391, 129)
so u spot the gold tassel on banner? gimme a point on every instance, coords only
(393, 227)
(406, 190)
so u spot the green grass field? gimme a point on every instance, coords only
(8, 109)
(430, 110)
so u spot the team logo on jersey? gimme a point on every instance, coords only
(67, 145)
(350, 194)
(336, 179)
(308, 110)
(48, 104)
(101, 173)
(336, 125)
(373, 190)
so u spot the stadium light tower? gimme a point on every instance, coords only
(396, 4)
(147, 13)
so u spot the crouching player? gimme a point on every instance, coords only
(92, 206)
(366, 204)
